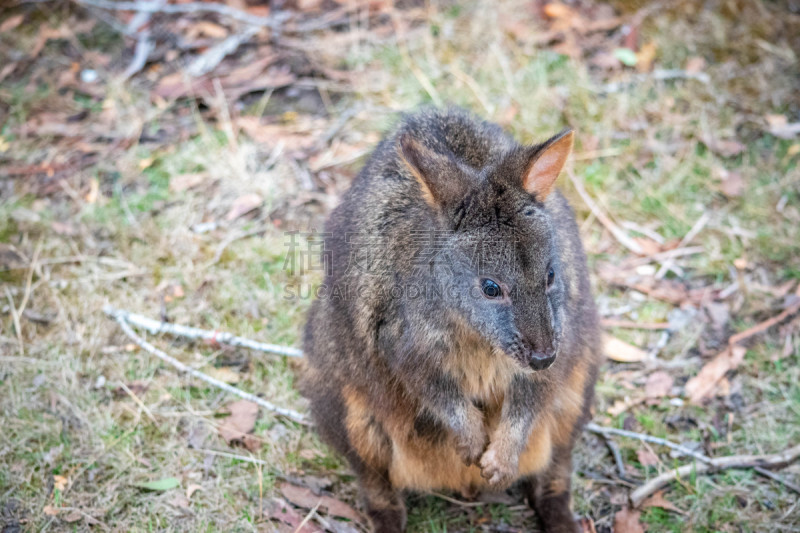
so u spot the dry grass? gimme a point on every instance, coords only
(643, 152)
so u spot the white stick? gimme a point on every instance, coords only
(604, 219)
(288, 413)
(758, 462)
(274, 22)
(155, 327)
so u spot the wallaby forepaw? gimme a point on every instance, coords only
(470, 448)
(499, 469)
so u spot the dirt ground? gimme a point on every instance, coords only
(159, 161)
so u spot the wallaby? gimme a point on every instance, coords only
(455, 344)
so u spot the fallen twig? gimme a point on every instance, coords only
(604, 219)
(155, 327)
(212, 57)
(121, 320)
(156, 6)
(630, 324)
(759, 463)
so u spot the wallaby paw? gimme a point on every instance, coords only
(498, 468)
(470, 447)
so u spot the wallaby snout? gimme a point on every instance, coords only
(542, 360)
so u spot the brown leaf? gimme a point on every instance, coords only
(646, 56)
(587, 525)
(191, 488)
(10, 258)
(725, 148)
(658, 384)
(732, 185)
(627, 521)
(278, 509)
(243, 205)
(242, 420)
(11, 22)
(622, 352)
(658, 500)
(60, 482)
(49, 510)
(136, 387)
(703, 384)
(695, 64)
(185, 182)
(274, 134)
(223, 373)
(304, 497)
(646, 457)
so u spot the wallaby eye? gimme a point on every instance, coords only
(551, 276)
(491, 289)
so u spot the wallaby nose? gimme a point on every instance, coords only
(541, 361)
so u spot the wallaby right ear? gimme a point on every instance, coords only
(433, 171)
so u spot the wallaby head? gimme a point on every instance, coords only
(496, 256)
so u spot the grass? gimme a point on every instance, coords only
(643, 152)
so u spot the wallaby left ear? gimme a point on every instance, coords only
(546, 162)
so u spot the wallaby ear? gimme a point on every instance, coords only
(433, 171)
(546, 163)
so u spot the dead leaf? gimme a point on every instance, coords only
(94, 189)
(60, 482)
(658, 500)
(11, 22)
(627, 521)
(49, 510)
(185, 182)
(274, 134)
(703, 384)
(645, 57)
(733, 185)
(646, 457)
(622, 352)
(10, 258)
(223, 373)
(695, 64)
(555, 10)
(648, 246)
(279, 509)
(305, 498)
(136, 387)
(587, 525)
(204, 28)
(243, 205)
(658, 385)
(191, 488)
(242, 420)
(723, 147)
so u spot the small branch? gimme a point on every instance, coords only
(274, 22)
(156, 327)
(629, 324)
(601, 430)
(615, 453)
(288, 413)
(144, 47)
(760, 462)
(604, 219)
(212, 57)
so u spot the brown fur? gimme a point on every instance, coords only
(467, 389)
